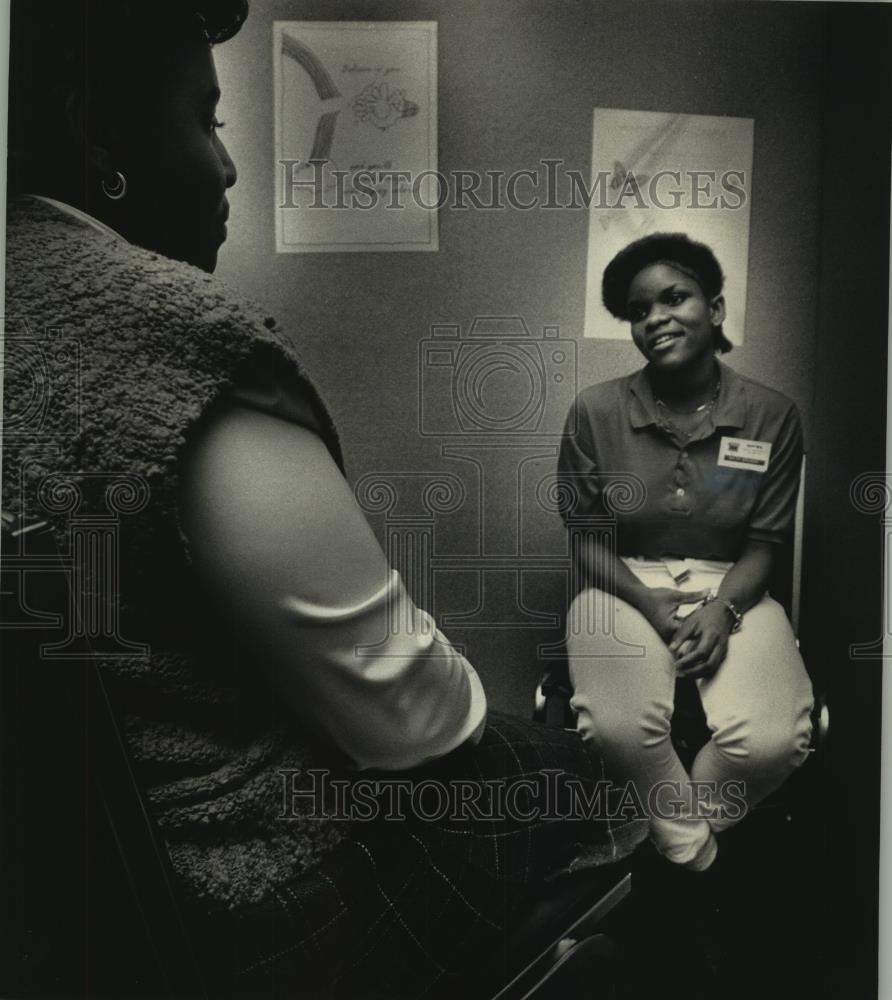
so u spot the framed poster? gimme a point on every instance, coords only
(355, 135)
(656, 172)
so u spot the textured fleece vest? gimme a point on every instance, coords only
(112, 354)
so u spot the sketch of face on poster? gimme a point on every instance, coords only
(356, 136)
(673, 173)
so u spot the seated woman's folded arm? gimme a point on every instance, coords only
(289, 559)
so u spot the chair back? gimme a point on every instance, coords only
(88, 897)
(785, 585)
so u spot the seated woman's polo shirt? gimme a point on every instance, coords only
(734, 480)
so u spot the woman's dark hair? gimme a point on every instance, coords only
(675, 249)
(98, 59)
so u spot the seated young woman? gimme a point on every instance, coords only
(717, 458)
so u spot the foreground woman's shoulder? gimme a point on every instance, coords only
(58, 262)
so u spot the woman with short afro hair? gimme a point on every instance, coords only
(714, 459)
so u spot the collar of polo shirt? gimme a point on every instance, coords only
(729, 409)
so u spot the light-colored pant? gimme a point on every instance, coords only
(757, 707)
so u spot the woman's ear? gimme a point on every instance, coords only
(717, 310)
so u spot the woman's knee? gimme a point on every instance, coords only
(621, 671)
(614, 725)
(766, 745)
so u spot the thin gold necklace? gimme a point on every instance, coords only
(700, 408)
(704, 408)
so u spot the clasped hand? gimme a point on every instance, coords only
(699, 642)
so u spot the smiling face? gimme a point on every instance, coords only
(177, 168)
(673, 323)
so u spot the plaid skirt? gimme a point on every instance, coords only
(430, 882)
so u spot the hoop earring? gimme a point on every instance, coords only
(116, 190)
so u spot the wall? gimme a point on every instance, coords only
(517, 83)
(843, 569)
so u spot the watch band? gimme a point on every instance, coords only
(735, 614)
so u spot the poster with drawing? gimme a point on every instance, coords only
(356, 135)
(654, 172)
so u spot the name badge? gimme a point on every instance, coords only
(738, 453)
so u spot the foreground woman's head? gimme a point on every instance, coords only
(113, 110)
(669, 288)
